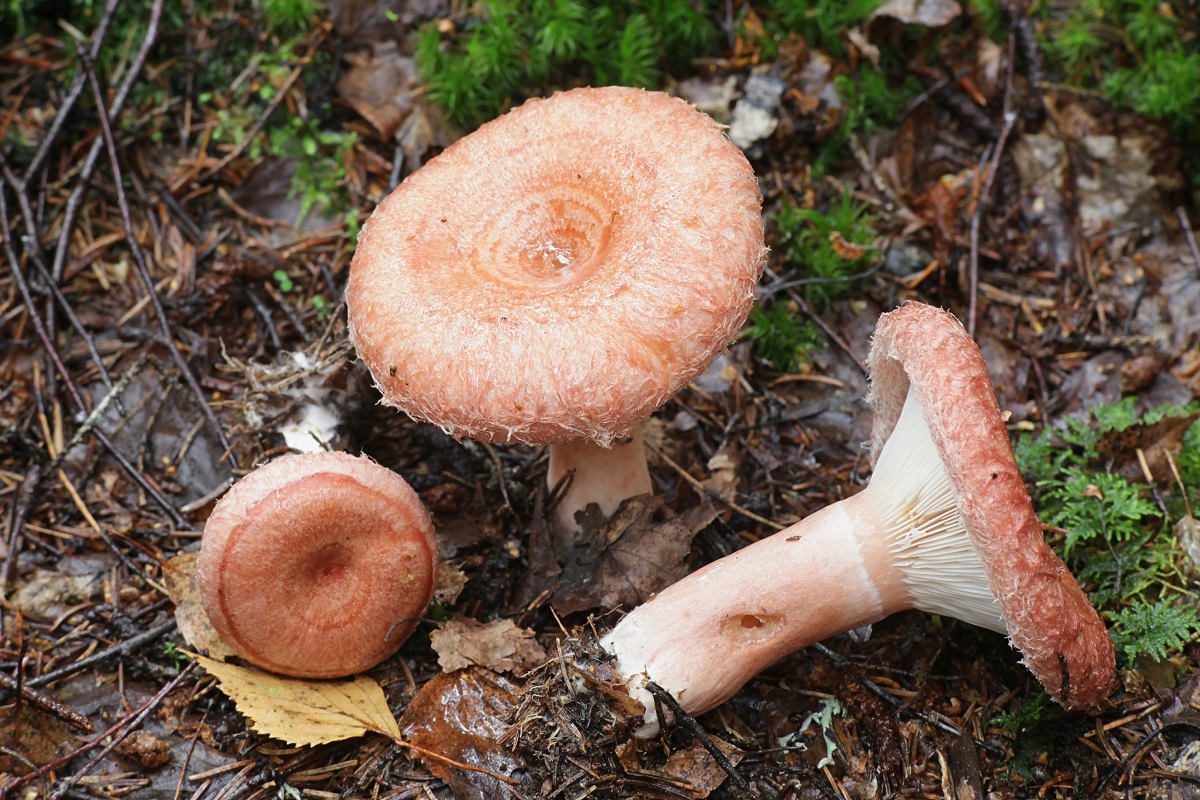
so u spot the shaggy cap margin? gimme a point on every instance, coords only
(1050, 620)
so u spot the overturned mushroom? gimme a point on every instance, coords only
(945, 525)
(317, 565)
(557, 275)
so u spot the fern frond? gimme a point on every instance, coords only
(1154, 630)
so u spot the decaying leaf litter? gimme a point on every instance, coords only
(140, 378)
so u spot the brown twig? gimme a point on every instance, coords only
(830, 334)
(278, 99)
(75, 200)
(983, 203)
(116, 733)
(704, 491)
(71, 97)
(121, 648)
(48, 704)
(1191, 237)
(143, 270)
(35, 255)
(76, 396)
(16, 524)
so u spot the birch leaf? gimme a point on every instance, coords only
(305, 712)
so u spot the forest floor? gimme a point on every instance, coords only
(159, 274)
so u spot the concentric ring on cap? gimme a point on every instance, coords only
(562, 271)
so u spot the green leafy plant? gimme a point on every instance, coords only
(870, 102)
(1116, 538)
(780, 337)
(320, 177)
(1137, 52)
(1035, 728)
(510, 49)
(829, 246)
(1155, 630)
(824, 250)
(172, 652)
(822, 23)
(289, 17)
(322, 307)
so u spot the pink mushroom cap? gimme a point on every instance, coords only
(317, 565)
(562, 271)
(1049, 618)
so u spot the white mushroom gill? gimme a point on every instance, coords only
(926, 535)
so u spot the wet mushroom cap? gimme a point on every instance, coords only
(1049, 618)
(560, 272)
(308, 562)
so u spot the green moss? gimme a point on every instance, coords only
(510, 50)
(1117, 541)
(1139, 53)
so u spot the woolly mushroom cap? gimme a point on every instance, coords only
(317, 565)
(1047, 616)
(562, 271)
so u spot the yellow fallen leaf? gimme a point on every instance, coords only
(180, 577)
(304, 712)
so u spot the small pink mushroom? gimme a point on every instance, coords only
(945, 526)
(317, 565)
(555, 276)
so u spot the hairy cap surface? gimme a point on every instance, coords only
(308, 562)
(560, 272)
(1049, 618)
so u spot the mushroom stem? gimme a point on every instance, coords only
(602, 475)
(900, 543)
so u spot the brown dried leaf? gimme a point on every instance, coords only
(621, 560)
(37, 736)
(146, 749)
(463, 716)
(379, 87)
(499, 645)
(450, 582)
(305, 712)
(180, 576)
(927, 13)
(845, 249)
(696, 767)
(1155, 441)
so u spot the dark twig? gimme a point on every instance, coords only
(16, 524)
(983, 203)
(1191, 237)
(48, 704)
(940, 724)
(661, 695)
(121, 648)
(114, 736)
(772, 289)
(35, 255)
(75, 200)
(1140, 750)
(69, 100)
(143, 270)
(830, 334)
(76, 396)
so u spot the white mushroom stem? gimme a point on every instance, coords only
(602, 475)
(898, 544)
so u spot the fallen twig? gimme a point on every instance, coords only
(983, 202)
(143, 270)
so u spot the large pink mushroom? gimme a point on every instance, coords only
(945, 525)
(317, 565)
(555, 276)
